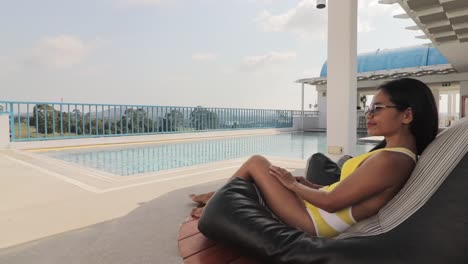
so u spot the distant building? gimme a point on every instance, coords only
(421, 62)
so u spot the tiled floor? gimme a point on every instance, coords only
(195, 248)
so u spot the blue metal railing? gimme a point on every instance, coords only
(306, 113)
(31, 121)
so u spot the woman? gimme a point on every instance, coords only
(404, 112)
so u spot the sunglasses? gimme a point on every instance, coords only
(374, 108)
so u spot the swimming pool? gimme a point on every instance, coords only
(136, 159)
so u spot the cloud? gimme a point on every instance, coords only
(269, 60)
(370, 12)
(305, 20)
(61, 51)
(204, 56)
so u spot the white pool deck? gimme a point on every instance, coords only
(41, 196)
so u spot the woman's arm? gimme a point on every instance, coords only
(379, 172)
(304, 181)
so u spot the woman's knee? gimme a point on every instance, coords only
(255, 165)
(257, 159)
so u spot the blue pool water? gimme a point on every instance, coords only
(136, 159)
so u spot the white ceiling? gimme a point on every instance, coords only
(445, 23)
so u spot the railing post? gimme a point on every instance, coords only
(5, 128)
(12, 133)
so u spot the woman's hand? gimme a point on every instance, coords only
(284, 176)
(304, 181)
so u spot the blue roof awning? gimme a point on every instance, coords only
(387, 59)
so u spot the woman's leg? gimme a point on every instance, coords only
(201, 199)
(285, 204)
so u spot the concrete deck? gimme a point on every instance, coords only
(147, 234)
(56, 212)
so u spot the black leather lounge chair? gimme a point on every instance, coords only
(431, 229)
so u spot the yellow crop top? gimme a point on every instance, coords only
(331, 224)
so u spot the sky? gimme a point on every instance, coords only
(212, 53)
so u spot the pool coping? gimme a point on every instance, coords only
(140, 139)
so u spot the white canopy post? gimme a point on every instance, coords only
(341, 77)
(302, 108)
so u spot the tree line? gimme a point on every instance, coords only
(46, 119)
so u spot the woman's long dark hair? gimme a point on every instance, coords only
(407, 92)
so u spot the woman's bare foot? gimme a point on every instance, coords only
(197, 212)
(201, 198)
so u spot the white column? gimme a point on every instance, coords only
(436, 94)
(4, 130)
(449, 104)
(341, 77)
(302, 108)
(463, 92)
(463, 88)
(322, 105)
